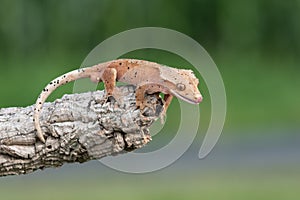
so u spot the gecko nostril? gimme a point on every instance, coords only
(198, 98)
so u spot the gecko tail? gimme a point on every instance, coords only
(94, 73)
(40, 134)
(36, 119)
(53, 85)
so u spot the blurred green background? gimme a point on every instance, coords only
(256, 46)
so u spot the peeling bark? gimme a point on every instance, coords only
(79, 128)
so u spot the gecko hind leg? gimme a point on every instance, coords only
(109, 78)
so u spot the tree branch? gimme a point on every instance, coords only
(79, 127)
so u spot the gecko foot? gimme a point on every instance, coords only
(114, 97)
(147, 109)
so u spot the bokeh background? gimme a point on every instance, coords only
(256, 46)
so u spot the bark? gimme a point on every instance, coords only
(79, 128)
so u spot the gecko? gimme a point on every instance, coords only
(148, 77)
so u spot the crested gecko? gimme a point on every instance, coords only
(148, 77)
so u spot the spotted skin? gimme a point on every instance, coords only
(148, 77)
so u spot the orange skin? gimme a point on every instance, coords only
(148, 77)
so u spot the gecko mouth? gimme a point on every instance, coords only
(192, 101)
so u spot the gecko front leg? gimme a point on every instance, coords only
(168, 99)
(152, 88)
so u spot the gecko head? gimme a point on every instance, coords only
(182, 84)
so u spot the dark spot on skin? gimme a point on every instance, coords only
(120, 63)
(49, 146)
(50, 83)
(128, 67)
(64, 76)
(40, 102)
(33, 119)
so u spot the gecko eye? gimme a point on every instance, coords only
(180, 86)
